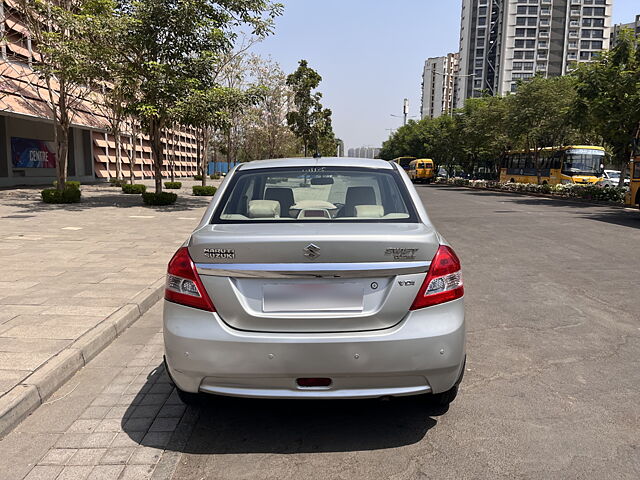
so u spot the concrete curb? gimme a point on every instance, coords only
(23, 399)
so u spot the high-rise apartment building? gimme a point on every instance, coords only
(439, 80)
(635, 26)
(504, 41)
(364, 152)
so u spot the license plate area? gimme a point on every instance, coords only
(312, 297)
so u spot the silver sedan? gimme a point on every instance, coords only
(315, 278)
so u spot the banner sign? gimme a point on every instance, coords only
(30, 153)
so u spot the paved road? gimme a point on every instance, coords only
(551, 389)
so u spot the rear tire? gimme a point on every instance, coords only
(445, 398)
(189, 398)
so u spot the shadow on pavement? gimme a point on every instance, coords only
(226, 425)
(600, 213)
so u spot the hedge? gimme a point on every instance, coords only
(214, 176)
(134, 189)
(68, 184)
(197, 177)
(206, 191)
(173, 185)
(68, 195)
(163, 198)
(585, 192)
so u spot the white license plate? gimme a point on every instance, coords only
(312, 297)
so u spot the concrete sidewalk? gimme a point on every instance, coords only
(72, 278)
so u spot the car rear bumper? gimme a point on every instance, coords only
(423, 353)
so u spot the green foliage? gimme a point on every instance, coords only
(68, 195)
(162, 198)
(584, 192)
(117, 182)
(310, 122)
(174, 51)
(68, 184)
(136, 189)
(214, 176)
(173, 185)
(608, 97)
(204, 191)
(197, 177)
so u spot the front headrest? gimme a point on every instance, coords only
(264, 209)
(369, 211)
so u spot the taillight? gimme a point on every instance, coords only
(183, 283)
(443, 282)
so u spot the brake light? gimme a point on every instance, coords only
(183, 283)
(443, 282)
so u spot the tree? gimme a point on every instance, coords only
(608, 97)
(310, 122)
(173, 47)
(70, 37)
(540, 115)
(209, 110)
(266, 134)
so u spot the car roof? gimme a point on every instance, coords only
(317, 162)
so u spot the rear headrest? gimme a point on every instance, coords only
(369, 211)
(264, 209)
(360, 196)
(282, 195)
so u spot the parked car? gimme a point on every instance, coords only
(315, 278)
(611, 178)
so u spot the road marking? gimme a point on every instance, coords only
(141, 216)
(71, 228)
(187, 218)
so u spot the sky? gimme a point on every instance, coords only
(371, 53)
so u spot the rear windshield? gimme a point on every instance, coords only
(319, 194)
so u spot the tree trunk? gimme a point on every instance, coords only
(155, 134)
(205, 154)
(118, 140)
(228, 150)
(62, 147)
(537, 163)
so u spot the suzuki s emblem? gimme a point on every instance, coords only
(311, 251)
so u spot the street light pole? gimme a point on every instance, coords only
(405, 110)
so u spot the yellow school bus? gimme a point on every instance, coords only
(633, 197)
(403, 162)
(421, 170)
(581, 164)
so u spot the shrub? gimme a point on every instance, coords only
(201, 191)
(117, 183)
(173, 185)
(136, 189)
(163, 198)
(68, 195)
(214, 176)
(197, 177)
(68, 184)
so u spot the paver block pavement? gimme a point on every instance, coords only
(100, 262)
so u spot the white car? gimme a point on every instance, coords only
(611, 178)
(315, 278)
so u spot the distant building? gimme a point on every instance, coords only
(504, 41)
(439, 85)
(635, 26)
(364, 152)
(340, 151)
